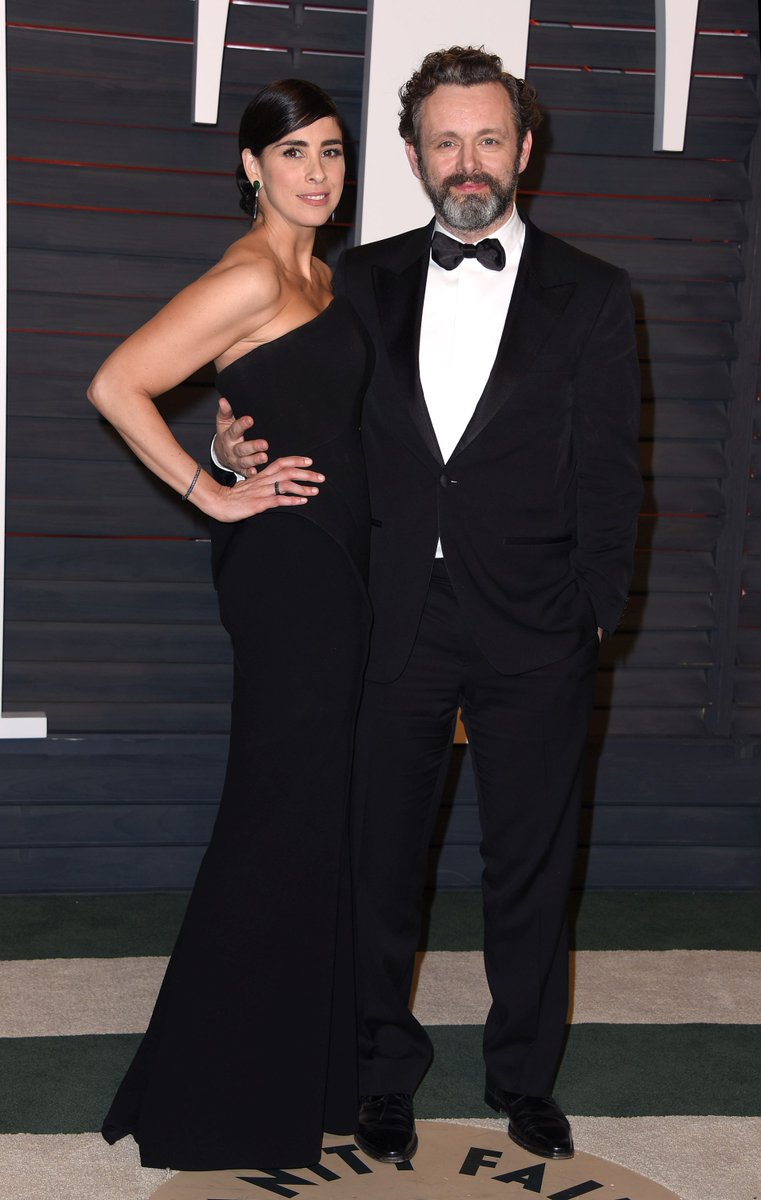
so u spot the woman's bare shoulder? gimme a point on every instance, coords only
(248, 273)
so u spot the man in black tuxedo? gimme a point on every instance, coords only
(500, 430)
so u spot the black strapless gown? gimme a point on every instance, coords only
(251, 1050)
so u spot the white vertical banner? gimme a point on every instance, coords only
(676, 22)
(399, 34)
(12, 725)
(208, 54)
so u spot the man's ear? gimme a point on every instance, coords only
(412, 159)
(528, 142)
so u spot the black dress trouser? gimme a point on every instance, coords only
(527, 735)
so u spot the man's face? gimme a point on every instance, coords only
(468, 159)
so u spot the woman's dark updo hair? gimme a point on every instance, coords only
(279, 109)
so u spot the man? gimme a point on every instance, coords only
(500, 430)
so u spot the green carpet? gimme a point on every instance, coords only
(135, 925)
(638, 1091)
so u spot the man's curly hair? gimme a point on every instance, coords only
(465, 66)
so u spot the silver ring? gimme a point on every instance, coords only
(277, 487)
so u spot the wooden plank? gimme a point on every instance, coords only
(746, 722)
(76, 273)
(749, 615)
(91, 439)
(124, 234)
(712, 14)
(262, 24)
(648, 722)
(675, 381)
(674, 571)
(705, 137)
(685, 300)
(694, 341)
(108, 559)
(113, 316)
(754, 497)
(671, 497)
(163, 103)
(668, 610)
(666, 260)
(120, 59)
(133, 642)
(106, 825)
(628, 50)
(130, 501)
(747, 690)
(120, 682)
(148, 516)
(86, 717)
(753, 536)
(676, 688)
(656, 772)
(684, 418)
(62, 399)
(678, 532)
(615, 91)
(667, 868)
(113, 769)
(570, 216)
(751, 576)
(658, 649)
(749, 647)
(170, 17)
(624, 825)
(584, 174)
(100, 869)
(683, 458)
(163, 602)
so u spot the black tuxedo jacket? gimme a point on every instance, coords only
(537, 506)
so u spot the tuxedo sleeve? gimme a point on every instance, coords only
(606, 441)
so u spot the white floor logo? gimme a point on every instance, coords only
(454, 1162)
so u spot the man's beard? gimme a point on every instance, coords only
(476, 210)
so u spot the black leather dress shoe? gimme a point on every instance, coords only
(386, 1129)
(536, 1123)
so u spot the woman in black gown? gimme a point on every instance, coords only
(250, 1052)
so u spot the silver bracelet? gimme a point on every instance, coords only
(193, 483)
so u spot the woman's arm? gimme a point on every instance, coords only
(198, 325)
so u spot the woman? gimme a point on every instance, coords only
(250, 1053)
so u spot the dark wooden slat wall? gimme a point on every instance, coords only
(116, 201)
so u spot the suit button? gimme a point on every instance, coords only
(445, 481)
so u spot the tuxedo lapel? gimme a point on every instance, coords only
(399, 294)
(537, 303)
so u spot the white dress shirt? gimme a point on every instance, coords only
(464, 313)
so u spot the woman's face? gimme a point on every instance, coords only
(302, 175)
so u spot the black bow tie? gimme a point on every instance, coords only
(448, 253)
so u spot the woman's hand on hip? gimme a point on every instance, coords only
(285, 483)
